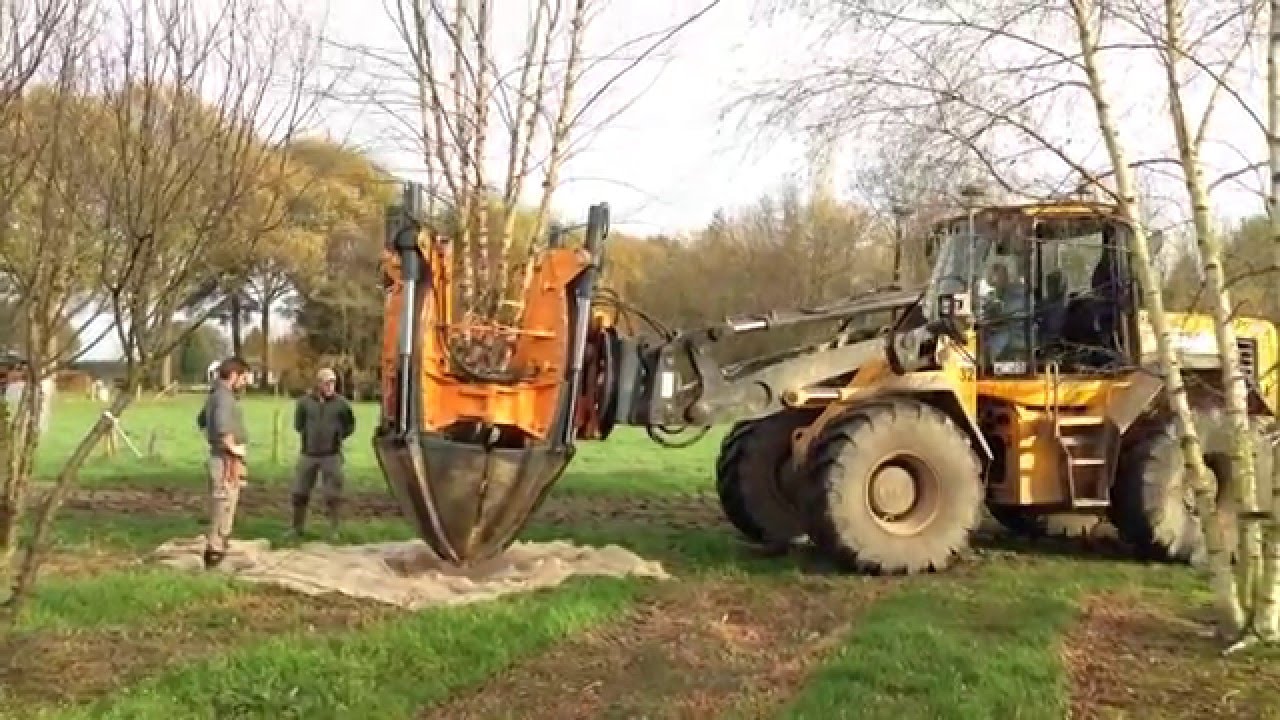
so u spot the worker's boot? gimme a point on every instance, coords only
(212, 558)
(335, 516)
(299, 525)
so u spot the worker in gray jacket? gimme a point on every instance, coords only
(323, 420)
(222, 420)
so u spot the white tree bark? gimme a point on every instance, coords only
(1243, 478)
(1268, 610)
(1175, 390)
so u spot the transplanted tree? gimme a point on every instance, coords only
(476, 112)
(173, 134)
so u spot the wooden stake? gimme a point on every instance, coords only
(277, 420)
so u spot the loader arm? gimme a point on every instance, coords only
(471, 455)
(681, 384)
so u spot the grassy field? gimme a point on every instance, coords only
(169, 428)
(1013, 632)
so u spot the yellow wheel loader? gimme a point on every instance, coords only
(1021, 378)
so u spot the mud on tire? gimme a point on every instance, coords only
(1153, 506)
(896, 489)
(747, 477)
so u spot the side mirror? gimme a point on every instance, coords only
(955, 306)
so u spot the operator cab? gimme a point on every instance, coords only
(1049, 284)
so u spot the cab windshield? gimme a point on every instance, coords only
(959, 259)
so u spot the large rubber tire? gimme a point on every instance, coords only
(1067, 525)
(900, 445)
(747, 477)
(1153, 508)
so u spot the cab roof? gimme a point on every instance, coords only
(1058, 208)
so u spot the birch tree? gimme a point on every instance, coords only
(488, 129)
(1268, 608)
(1087, 16)
(1190, 137)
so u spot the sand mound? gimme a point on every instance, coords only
(408, 574)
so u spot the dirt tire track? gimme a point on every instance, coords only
(1125, 657)
(695, 650)
(678, 512)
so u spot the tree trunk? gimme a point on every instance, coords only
(1267, 607)
(166, 371)
(1175, 389)
(555, 157)
(19, 440)
(522, 148)
(462, 121)
(264, 381)
(237, 333)
(9, 509)
(1243, 479)
(26, 576)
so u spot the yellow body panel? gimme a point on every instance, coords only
(1194, 337)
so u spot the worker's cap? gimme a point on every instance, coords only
(325, 375)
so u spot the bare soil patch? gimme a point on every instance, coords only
(1127, 658)
(678, 512)
(695, 650)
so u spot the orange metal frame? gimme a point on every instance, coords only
(541, 346)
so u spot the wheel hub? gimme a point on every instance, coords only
(893, 492)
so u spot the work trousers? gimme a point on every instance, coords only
(313, 467)
(226, 475)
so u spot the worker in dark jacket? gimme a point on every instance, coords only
(323, 420)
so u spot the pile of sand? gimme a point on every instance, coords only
(409, 574)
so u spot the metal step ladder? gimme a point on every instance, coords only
(1084, 443)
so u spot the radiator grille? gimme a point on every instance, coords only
(1248, 349)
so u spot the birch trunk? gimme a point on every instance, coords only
(559, 136)
(480, 209)
(1243, 479)
(1175, 389)
(1267, 607)
(522, 147)
(463, 195)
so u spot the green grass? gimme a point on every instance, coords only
(387, 672)
(979, 642)
(120, 598)
(180, 452)
(983, 647)
(982, 642)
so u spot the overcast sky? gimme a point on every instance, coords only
(668, 162)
